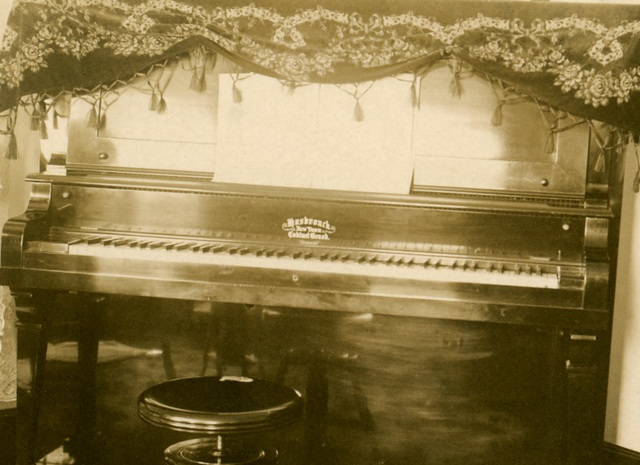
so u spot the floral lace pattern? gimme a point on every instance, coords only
(314, 44)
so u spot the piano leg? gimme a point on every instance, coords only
(586, 400)
(83, 446)
(558, 395)
(33, 324)
(578, 397)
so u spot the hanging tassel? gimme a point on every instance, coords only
(162, 104)
(55, 119)
(600, 166)
(44, 133)
(455, 87)
(496, 118)
(291, 88)
(415, 100)
(62, 105)
(237, 94)
(92, 117)
(12, 148)
(35, 121)
(550, 146)
(153, 102)
(102, 120)
(358, 113)
(196, 81)
(198, 59)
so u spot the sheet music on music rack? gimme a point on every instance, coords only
(308, 136)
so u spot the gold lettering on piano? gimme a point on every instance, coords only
(308, 228)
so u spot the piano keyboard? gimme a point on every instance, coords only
(416, 266)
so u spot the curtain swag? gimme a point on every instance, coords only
(584, 60)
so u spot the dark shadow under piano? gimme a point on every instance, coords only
(379, 389)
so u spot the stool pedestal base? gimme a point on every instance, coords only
(208, 451)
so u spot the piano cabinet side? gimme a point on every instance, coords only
(31, 223)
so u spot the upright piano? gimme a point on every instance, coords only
(522, 244)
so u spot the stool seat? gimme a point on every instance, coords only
(219, 405)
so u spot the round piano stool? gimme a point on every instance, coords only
(219, 407)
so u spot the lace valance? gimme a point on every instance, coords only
(582, 59)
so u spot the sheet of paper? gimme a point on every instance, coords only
(309, 137)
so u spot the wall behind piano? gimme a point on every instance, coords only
(623, 404)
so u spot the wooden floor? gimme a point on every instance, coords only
(399, 390)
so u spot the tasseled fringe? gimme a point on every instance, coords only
(600, 166)
(44, 133)
(12, 148)
(162, 104)
(358, 113)
(496, 118)
(95, 120)
(237, 93)
(153, 102)
(550, 145)
(62, 105)
(198, 80)
(415, 99)
(455, 86)
(157, 102)
(35, 121)
(198, 58)
(38, 123)
(92, 117)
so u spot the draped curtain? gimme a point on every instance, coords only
(579, 58)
